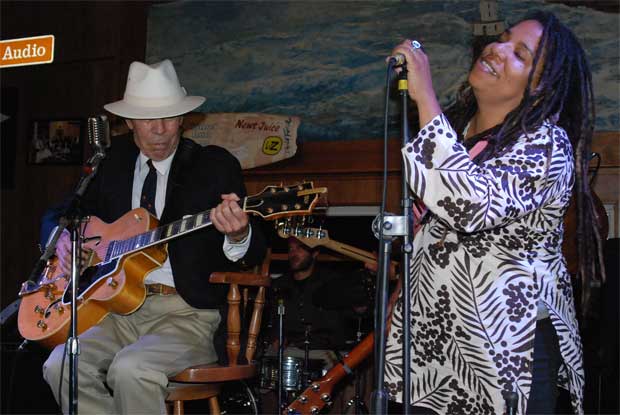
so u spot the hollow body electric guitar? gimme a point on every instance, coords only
(123, 253)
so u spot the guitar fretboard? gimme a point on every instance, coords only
(158, 235)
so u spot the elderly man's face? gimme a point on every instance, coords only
(158, 138)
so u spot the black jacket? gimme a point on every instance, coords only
(198, 176)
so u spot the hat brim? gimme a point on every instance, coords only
(125, 110)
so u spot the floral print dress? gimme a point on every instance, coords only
(486, 256)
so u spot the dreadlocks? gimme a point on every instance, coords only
(562, 93)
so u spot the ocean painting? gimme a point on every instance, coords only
(325, 61)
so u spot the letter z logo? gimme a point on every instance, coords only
(272, 145)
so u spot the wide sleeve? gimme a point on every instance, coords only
(468, 198)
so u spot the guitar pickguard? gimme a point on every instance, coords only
(90, 278)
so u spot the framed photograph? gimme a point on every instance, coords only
(56, 141)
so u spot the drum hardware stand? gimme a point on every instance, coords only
(305, 378)
(357, 402)
(386, 228)
(281, 310)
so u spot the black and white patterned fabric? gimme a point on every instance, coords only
(488, 253)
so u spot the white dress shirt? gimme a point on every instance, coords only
(163, 275)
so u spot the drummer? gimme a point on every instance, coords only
(308, 317)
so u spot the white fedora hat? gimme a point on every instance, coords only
(153, 91)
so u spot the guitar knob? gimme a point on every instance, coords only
(39, 309)
(315, 387)
(59, 308)
(303, 399)
(325, 397)
(309, 233)
(314, 410)
(284, 207)
(320, 234)
(112, 282)
(41, 324)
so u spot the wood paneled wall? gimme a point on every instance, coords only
(95, 43)
(352, 170)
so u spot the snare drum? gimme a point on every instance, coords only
(292, 372)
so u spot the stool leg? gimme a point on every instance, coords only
(214, 406)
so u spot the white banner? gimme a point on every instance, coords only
(255, 139)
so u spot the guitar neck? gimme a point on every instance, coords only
(351, 251)
(273, 202)
(158, 235)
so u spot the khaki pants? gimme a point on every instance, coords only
(125, 361)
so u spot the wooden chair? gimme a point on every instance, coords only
(204, 381)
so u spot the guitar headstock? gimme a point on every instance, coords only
(313, 399)
(310, 236)
(282, 201)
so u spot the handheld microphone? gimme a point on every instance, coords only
(99, 134)
(397, 60)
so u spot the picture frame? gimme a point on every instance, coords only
(56, 141)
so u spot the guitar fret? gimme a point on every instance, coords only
(168, 231)
(183, 225)
(142, 240)
(109, 251)
(126, 245)
(129, 243)
(190, 223)
(117, 248)
(175, 227)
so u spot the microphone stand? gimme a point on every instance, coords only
(72, 347)
(388, 227)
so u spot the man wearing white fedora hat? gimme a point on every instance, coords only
(125, 361)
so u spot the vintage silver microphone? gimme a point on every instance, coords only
(99, 134)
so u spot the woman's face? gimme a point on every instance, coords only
(500, 74)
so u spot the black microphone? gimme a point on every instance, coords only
(512, 401)
(397, 60)
(99, 134)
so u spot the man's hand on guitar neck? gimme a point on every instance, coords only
(230, 219)
(63, 252)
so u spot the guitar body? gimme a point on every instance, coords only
(115, 286)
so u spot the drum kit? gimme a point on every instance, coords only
(282, 379)
(298, 373)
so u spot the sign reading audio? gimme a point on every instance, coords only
(34, 50)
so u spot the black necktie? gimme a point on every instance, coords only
(147, 200)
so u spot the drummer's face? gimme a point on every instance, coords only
(300, 257)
